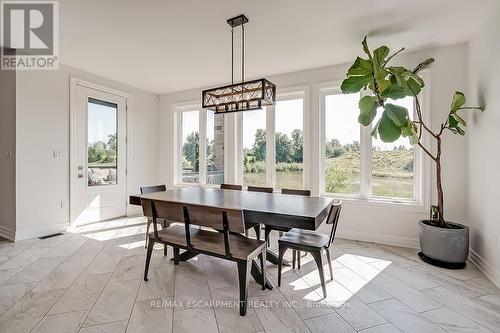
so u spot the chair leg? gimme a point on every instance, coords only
(267, 232)
(165, 250)
(257, 231)
(244, 277)
(148, 224)
(294, 256)
(329, 263)
(281, 253)
(176, 256)
(298, 259)
(151, 244)
(263, 267)
(319, 262)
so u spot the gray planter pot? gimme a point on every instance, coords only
(444, 245)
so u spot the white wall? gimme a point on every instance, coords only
(484, 151)
(43, 126)
(7, 160)
(392, 224)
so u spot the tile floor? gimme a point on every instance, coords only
(90, 280)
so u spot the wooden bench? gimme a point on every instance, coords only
(224, 239)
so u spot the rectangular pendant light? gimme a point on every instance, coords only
(243, 96)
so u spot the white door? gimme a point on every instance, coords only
(100, 156)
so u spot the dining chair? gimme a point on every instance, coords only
(269, 228)
(152, 189)
(313, 242)
(231, 187)
(256, 226)
(223, 239)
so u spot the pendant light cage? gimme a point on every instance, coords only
(243, 96)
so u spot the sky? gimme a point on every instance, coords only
(101, 122)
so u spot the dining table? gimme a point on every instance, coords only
(274, 209)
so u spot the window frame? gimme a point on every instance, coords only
(285, 94)
(178, 109)
(421, 165)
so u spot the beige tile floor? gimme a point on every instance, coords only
(90, 280)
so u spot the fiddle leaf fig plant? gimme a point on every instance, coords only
(385, 83)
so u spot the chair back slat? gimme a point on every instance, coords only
(212, 217)
(333, 218)
(306, 193)
(152, 189)
(260, 189)
(170, 211)
(231, 187)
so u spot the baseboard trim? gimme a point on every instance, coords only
(379, 238)
(41, 231)
(7, 233)
(484, 266)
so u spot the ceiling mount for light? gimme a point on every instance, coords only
(243, 96)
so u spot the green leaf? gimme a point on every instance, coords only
(460, 119)
(457, 102)
(388, 130)
(379, 55)
(452, 122)
(382, 85)
(394, 91)
(410, 130)
(453, 130)
(423, 64)
(353, 84)
(460, 130)
(365, 47)
(414, 87)
(374, 132)
(398, 114)
(368, 110)
(360, 67)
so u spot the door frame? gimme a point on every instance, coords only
(74, 83)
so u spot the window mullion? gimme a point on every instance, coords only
(202, 146)
(366, 158)
(270, 146)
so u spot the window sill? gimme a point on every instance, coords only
(405, 205)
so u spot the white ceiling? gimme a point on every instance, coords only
(164, 45)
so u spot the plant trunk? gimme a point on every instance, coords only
(439, 184)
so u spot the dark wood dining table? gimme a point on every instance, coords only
(274, 209)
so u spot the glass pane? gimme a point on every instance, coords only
(289, 144)
(190, 147)
(215, 148)
(102, 144)
(392, 163)
(342, 150)
(254, 147)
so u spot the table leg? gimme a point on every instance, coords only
(257, 275)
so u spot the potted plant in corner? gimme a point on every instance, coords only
(442, 242)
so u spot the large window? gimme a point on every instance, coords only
(342, 169)
(273, 148)
(201, 147)
(254, 147)
(357, 165)
(190, 147)
(289, 143)
(393, 163)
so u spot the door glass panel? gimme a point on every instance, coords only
(289, 144)
(190, 147)
(254, 147)
(102, 144)
(215, 148)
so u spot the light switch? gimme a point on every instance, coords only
(59, 153)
